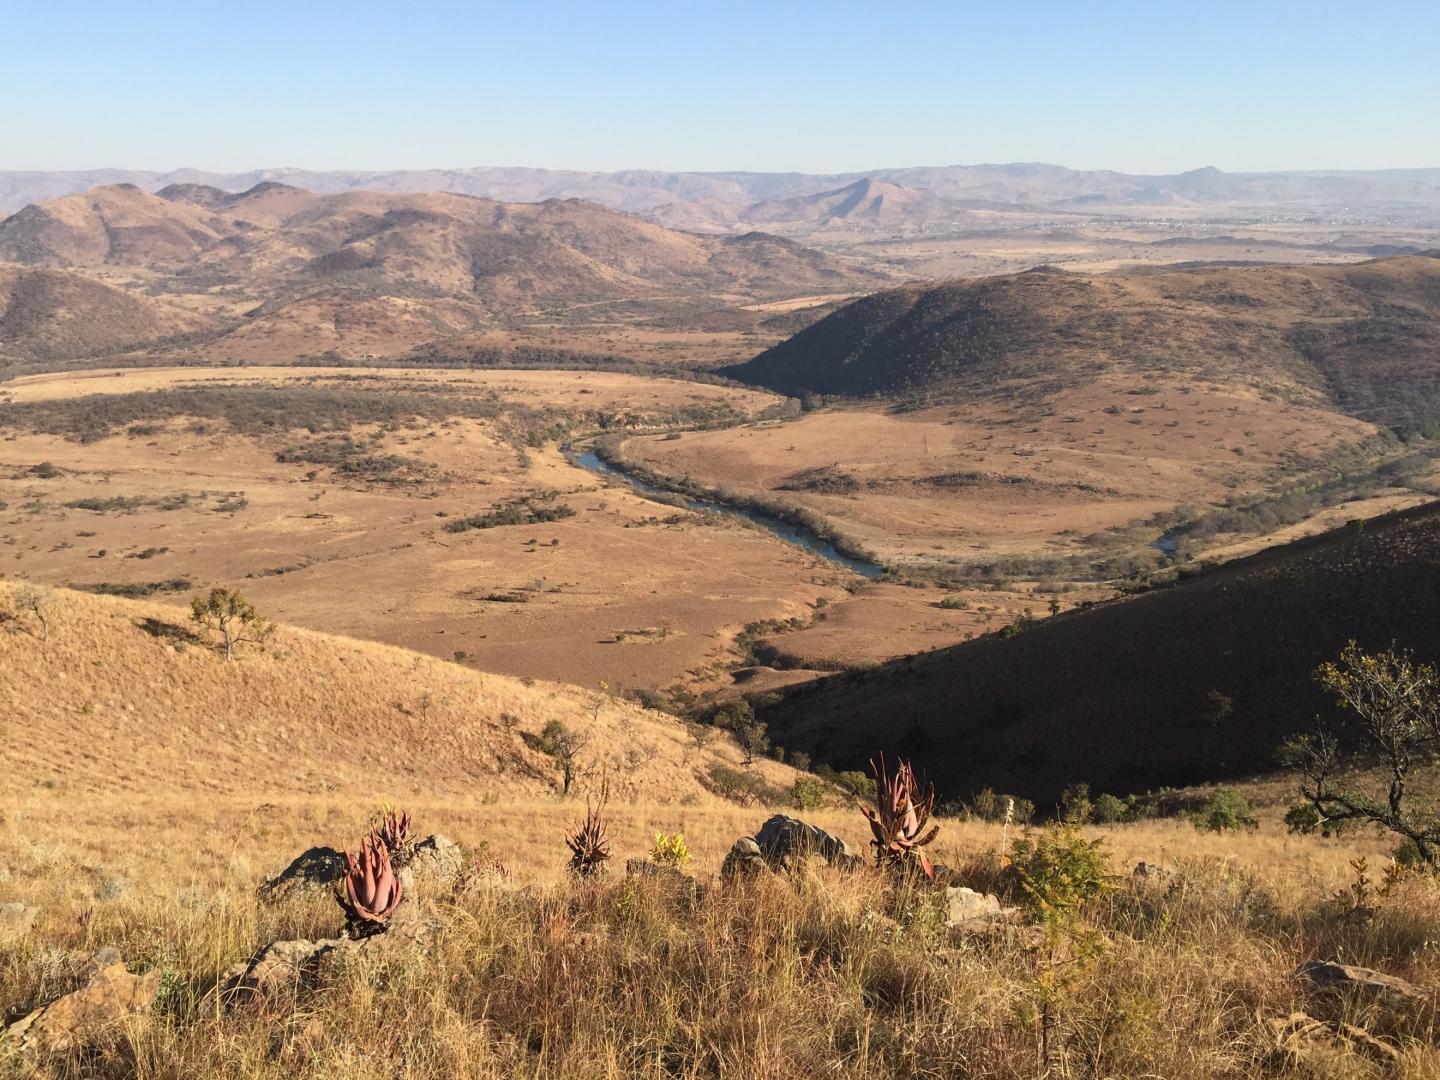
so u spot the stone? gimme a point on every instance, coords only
(783, 841)
(111, 997)
(964, 904)
(1318, 1042)
(16, 919)
(437, 865)
(1331, 975)
(282, 967)
(744, 859)
(318, 868)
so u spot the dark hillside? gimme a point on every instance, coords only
(1363, 338)
(1117, 694)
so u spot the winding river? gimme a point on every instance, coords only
(788, 531)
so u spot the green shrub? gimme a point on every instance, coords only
(807, 793)
(1225, 811)
(1106, 810)
(1075, 805)
(670, 849)
(1058, 871)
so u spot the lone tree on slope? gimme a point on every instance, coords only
(228, 613)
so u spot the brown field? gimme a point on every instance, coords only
(972, 484)
(627, 590)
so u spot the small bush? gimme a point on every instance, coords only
(1106, 810)
(670, 849)
(1059, 871)
(1075, 804)
(1225, 811)
(807, 793)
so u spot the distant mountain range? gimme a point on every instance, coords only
(277, 272)
(884, 200)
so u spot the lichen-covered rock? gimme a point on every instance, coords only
(784, 841)
(282, 967)
(318, 868)
(1330, 1047)
(436, 864)
(79, 1019)
(744, 859)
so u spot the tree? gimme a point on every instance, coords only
(228, 613)
(754, 740)
(1393, 703)
(564, 745)
(36, 600)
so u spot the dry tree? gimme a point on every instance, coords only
(368, 891)
(588, 843)
(898, 820)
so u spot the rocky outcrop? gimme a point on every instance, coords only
(782, 843)
(318, 868)
(111, 997)
(1328, 974)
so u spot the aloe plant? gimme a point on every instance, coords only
(393, 828)
(589, 845)
(369, 892)
(899, 818)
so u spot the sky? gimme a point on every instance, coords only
(1152, 87)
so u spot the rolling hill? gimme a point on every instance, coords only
(1363, 339)
(56, 314)
(1119, 694)
(121, 697)
(434, 264)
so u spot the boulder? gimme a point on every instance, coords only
(318, 868)
(16, 919)
(744, 859)
(784, 841)
(282, 967)
(969, 913)
(76, 1020)
(1332, 975)
(437, 865)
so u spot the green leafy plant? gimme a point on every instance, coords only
(1227, 810)
(227, 612)
(670, 849)
(807, 793)
(1058, 871)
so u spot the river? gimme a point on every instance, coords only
(788, 531)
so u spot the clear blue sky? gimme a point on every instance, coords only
(1137, 86)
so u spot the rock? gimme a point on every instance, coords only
(964, 904)
(437, 864)
(970, 913)
(744, 859)
(16, 919)
(1317, 1042)
(318, 868)
(112, 996)
(1329, 974)
(282, 967)
(783, 841)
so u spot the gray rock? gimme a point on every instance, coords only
(282, 967)
(1329, 974)
(744, 859)
(783, 841)
(16, 919)
(318, 868)
(963, 905)
(436, 865)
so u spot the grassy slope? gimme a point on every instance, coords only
(1116, 695)
(106, 707)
